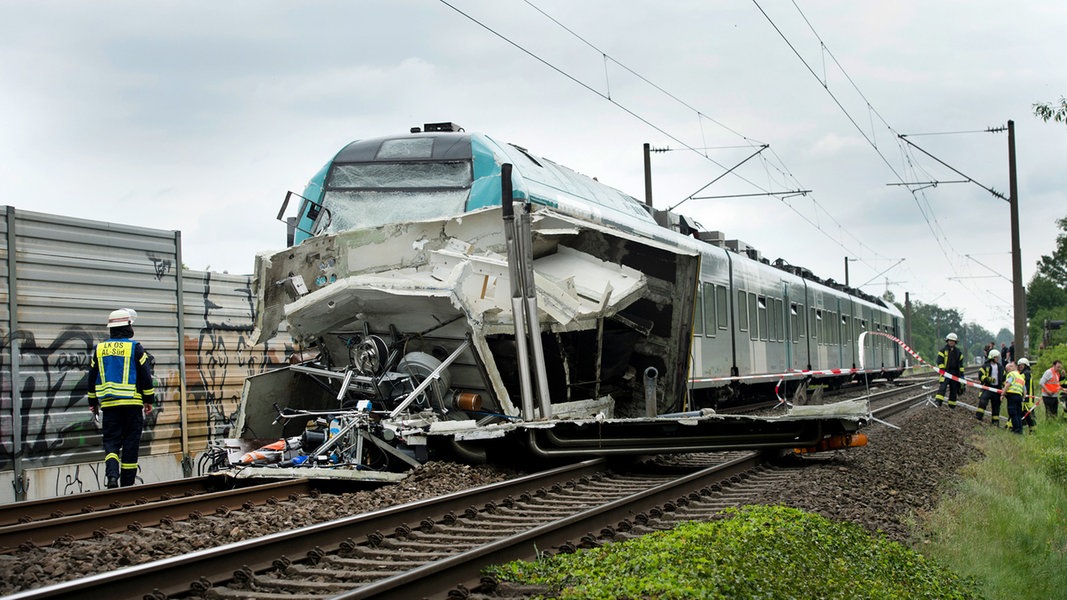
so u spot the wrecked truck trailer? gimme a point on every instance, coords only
(457, 297)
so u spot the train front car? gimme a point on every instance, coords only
(399, 291)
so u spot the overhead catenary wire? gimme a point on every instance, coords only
(700, 115)
(925, 210)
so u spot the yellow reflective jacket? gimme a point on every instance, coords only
(120, 374)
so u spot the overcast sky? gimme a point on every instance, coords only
(199, 116)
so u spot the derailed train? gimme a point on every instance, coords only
(457, 294)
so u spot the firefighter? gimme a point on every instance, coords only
(1030, 419)
(120, 386)
(949, 360)
(990, 375)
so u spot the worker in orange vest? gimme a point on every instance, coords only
(1050, 389)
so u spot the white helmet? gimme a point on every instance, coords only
(951, 337)
(994, 354)
(1024, 362)
(121, 317)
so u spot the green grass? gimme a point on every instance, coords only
(756, 552)
(1006, 523)
(1000, 534)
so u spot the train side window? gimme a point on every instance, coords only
(794, 322)
(831, 327)
(755, 323)
(811, 324)
(801, 320)
(845, 334)
(698, 316)
(720, 306)
(761, 319)
(709, 309)
(818, 326)
(742, 311)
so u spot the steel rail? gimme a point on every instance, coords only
(437, 577)
(175, 574)
(86, 525)
(72, 504)
(900, 406)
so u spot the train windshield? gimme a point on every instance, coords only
(370, 194)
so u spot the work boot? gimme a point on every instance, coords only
(112, 483)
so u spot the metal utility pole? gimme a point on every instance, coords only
(846, 271)
(907, 320)
(648, 175)
(1022, 335)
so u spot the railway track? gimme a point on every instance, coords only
(61, 506)
(529, 507)
(427, 548)
(121, 514)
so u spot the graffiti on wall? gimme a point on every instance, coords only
(55, 423)
(161, 266)
(225, 356)
(54, 417)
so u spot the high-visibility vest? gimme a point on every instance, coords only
(1052, 386)
(1015, 383)
(115, 368)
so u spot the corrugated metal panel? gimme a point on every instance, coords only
(70, 274)
(219, 312)
(6, 432)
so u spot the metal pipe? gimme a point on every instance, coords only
(794, 436)
(525, 243)
(593, 450)
(651, 375)
(515, 278)
(522, 357)
(344, 385)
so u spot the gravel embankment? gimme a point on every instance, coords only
(901, 472)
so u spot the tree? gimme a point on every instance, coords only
(929, 325)
(1056, 111)
(1042, 294)
(1055, 267)
(1046, 294)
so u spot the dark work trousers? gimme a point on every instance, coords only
(1052, 408)
(1015, 412)
(986, 399)
(122, 439)
(953, 389)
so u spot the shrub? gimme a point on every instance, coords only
(755, 552)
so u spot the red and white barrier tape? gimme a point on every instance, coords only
(941, 372)
(800, 373)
